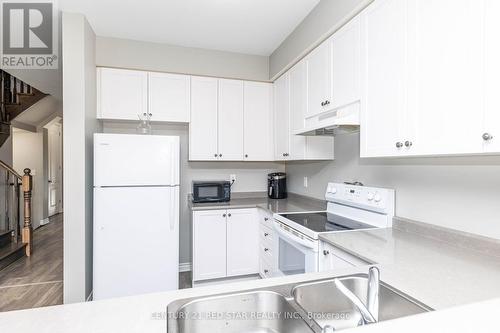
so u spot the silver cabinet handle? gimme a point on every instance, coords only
(327, 102)
(326, 252)
(266, 234)
(266, 219)
(408, 144)
(246, 155)
(220, 155)
(487, 136)
(229, 215)
(224, 215)
(399, 144)
(266, 271)
(266, 249)
(215, 155)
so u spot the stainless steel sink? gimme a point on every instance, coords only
(259, 311)
(292, 308)
(329, 306)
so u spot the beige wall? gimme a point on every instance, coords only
(79, 122)
(250, 176)
(462, 193)
(124, 53)
(318, 25)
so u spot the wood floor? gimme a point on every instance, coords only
(36, 281)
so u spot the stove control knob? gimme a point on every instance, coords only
(369, 196)
(377, 197)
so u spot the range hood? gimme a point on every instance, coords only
(331, 123)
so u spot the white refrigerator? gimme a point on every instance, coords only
(136, 214)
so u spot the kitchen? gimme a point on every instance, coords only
(381, 114)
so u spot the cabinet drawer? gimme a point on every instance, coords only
(266, 234)
(265, 269)
(266, 251)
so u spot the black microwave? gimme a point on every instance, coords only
(211, 191)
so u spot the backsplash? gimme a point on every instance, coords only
(438, 190)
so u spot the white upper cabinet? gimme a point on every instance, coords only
(384, 78)
(319, 79)
(445, 61)
(298, 109)
(491, 127)
(346, 63)
(121, 94)
(169, 97)
(281, 117)
(203, 125)
(258, 122)
(230, 120)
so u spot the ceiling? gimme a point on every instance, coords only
(245, 26)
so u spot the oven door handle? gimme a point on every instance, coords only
(292, 238)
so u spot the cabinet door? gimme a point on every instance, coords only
(242, 242)
(230, 120)
(298, 109)
(169, 97)
(329, 261)
(319, 79)
(121, 94)
(209, 244)
(203, 124)
(445, 59)
(281, 117)
(258, 122)
(346, 45)
(383, 78)
(491, 124)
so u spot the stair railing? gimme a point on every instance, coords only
(26, 183)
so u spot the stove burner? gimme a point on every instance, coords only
(325, 222)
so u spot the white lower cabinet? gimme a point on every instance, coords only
(242, 239)
(266, 250)
(209, 244)
(331, 258)
(225, 243)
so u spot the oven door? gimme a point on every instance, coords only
(294, 253)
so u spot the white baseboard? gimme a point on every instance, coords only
(184, 267)
(44, 221)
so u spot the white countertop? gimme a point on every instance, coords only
(436, 273)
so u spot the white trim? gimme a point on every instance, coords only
(44, 221)
(184, 267)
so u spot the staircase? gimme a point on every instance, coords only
(16, 238)
(16, 97)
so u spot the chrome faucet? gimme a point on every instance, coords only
(369, 312)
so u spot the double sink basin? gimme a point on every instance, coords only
(291, 308)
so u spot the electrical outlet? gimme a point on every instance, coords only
(305, 181)
(232, 178)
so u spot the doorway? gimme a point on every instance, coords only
(54, 166)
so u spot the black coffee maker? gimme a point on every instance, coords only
(276, 185)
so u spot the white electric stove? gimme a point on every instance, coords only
(349, 208)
